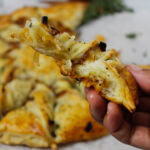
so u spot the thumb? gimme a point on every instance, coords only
(142, 77)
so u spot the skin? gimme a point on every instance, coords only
(132, 129)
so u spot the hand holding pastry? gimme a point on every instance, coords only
(128, 128)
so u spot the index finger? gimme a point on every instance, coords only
(142, 77)
(98, 104)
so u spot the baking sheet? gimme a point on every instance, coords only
(114, 28)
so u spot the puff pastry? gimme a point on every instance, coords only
(73, 119)
(38, 107)
(29, 125)
(68, 19)
(86, 62)
(50, 116)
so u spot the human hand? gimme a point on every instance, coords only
(132, 129)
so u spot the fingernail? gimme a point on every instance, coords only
(90, 97)
(134, 68)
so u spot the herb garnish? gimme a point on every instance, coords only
(74, 86)
(57, 126)
(55, 104)
(131, 35)
(145, 54)
(78, 80)
(98, 8)
(2, 69)
(30, 25)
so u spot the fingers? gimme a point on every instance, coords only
(98, 105)
(140, 137)
(115, 123)
(142, 77)
(141, 119)
(113, 118)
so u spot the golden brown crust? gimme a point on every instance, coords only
(23, 121)
(131, 82)
(29, 124)
(71, 19)
(76, 122)
(27, 119)
(130, 90)
(63, 21)
(20, 126)
(87, 62)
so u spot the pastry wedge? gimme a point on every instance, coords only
(49, 117)
(73, 119)
(68, 19)
(86, 62)
(29, 124)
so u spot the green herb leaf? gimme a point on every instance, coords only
(2, 69)
(74, 86)
(131, 35)
(145, 54)
(78, 80)
(98, 8)
(55, 104)
(57, 126)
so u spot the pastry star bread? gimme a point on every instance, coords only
(35, 111)
(86, 62)
(50, 117)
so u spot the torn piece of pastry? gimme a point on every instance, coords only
(86, 62)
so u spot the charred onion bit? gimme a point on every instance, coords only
(51, 122)
(45, 20)
(102, 46)
(54, 31)
(88, 127)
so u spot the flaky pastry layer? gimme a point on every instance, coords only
(86, 62)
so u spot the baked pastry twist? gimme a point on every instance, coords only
(86, 62)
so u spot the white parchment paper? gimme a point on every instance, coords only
(114, 28)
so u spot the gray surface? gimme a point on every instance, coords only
(114, 28)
